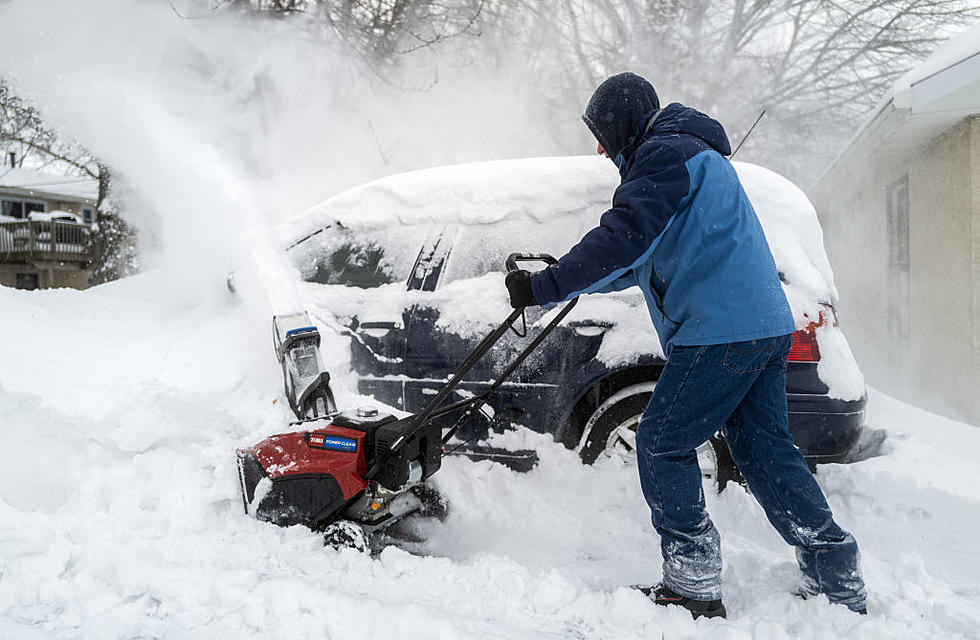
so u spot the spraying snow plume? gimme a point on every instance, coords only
(228, 123)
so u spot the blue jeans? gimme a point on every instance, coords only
(739, 388)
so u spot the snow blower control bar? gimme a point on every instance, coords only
(433, 408)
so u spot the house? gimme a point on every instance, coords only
(900, 209)
(45, 229)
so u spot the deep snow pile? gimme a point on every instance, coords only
(120, 515)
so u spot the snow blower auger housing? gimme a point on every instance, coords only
(364, 467)
(310, 477)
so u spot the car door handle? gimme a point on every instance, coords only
(590, 327)
(378, 329)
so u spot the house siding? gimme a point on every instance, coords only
(51, 276)
(975, 260)
(937, 364)
(943, 271)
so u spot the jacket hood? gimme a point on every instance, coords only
(676, 118)
(617, 108)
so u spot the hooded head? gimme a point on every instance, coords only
(617, 108)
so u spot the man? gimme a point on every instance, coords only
(682, 229)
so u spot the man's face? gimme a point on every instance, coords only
(601, 151)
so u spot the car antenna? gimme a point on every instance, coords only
(748, 133)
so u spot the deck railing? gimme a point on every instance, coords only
(35, 241)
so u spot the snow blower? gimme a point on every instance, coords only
(360, 471)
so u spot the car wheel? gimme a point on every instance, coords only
(611, 431)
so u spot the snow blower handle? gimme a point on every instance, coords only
(511, 264)
(514, 258)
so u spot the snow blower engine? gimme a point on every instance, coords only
(364, 467)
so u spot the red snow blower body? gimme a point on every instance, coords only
(313, 477)
(362, 466)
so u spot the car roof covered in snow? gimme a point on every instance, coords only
(474, 193)
(543, 189)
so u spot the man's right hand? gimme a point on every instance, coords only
(519, 287)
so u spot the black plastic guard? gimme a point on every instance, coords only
(250, 472)
(310, 500)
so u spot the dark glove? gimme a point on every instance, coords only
(519, 287)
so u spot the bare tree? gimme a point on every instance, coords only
(382, 30)
(24, 133)
(817, 66)
(115, 242)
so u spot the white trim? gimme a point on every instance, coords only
(940, 85)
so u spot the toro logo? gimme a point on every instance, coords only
(316, 439)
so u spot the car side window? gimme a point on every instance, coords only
(354, 264)
(481, 249)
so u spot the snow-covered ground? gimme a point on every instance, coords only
(120, 517)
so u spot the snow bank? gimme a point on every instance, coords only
(120, 514)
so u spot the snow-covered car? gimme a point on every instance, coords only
(413, 266)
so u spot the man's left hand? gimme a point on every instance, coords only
(519, 287)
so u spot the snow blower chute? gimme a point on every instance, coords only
(364, 467)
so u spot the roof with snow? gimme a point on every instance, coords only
(929, 99)
(29, 183)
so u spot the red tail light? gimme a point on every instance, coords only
(805, 347)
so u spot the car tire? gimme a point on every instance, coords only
(611, 430)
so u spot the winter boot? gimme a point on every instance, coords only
(803, 594)
(665, 597)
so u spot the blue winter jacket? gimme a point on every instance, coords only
(682, 229)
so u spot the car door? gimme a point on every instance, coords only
(467, 303)
(379, 342)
